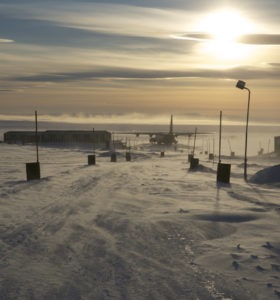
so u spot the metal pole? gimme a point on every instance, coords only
(220, 136)
(246, 135)
(36, 136)
(93, 142)
(213, 149)
(194, 140)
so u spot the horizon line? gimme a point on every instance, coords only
(130, 118)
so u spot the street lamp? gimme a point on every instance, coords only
(241, 85)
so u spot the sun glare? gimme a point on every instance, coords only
(225, 25)
(223, 28)
(228, 51)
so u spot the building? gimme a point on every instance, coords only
(100, 138)
(277, 145)
(20, 137)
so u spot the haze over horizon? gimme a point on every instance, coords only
(104, 60)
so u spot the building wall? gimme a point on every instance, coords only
(21, 137)
(59, 137)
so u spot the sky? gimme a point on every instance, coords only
(135, 60)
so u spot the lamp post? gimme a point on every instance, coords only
(241, 85)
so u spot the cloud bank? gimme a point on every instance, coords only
(6, 41)
(120, 55)
(130, 73)
(250, 39)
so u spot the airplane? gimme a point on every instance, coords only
(161, 138)
(165, 138)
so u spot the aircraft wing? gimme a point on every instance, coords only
(151, 133)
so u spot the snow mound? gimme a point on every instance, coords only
(267, 175)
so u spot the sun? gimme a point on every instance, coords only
(223, 28)
(225, 25)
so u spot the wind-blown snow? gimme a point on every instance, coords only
(145, 229)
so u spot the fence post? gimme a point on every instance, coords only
(114, 157)
(91, 160)
(33, 169)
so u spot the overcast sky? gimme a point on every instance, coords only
(109, 58)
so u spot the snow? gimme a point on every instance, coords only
(267, 175)
(145, 229)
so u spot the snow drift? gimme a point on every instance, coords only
(267, 175)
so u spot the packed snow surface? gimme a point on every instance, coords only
(145, 229)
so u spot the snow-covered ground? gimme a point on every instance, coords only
(145, 229)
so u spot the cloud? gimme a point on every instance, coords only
(117, 118)
(6, 41)
(260, 39)
(5, 90)
(125, 20)
(250, 39)
(68, 121)
(246, 72)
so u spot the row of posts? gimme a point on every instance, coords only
(92, 158)
(33, 168)
(223, 170)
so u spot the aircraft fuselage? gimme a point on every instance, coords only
(163, 139)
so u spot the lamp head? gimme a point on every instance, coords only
(240, 84)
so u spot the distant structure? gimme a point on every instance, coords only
(164, 138)
(101, 138)
(277, 145)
